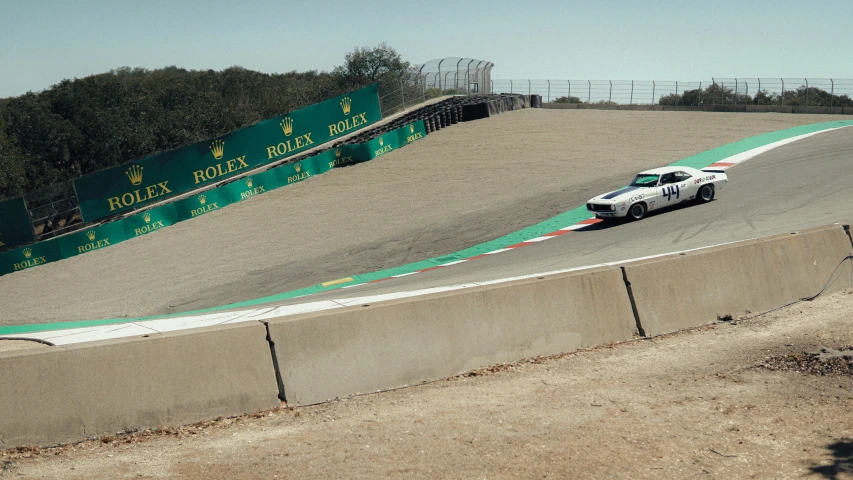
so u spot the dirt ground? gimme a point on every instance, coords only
(460, 186)
(707, 403)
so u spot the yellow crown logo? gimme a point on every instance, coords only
(338, 153)
(381, 141)
(147, 217)
(412, 128)
(346, 105)
(202, 199)
(91, 235)
(134, 173)
(249, 182)
(297, 167)
(287, 126)
(28, 252)
(218, 149)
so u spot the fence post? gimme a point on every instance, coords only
(807, 91)
(468, 77)
(420, 75)
(456, 77)
(759, 91)
(589, 92)
(493, 87)
(402, 93)
(528, 87)
(723, 92)
(631, 102)
(782, 97)
(699, 102)
(831, 95)
(736, 90)
(610, 97)
(510, 86)
(653, 92)
(439, 76)
(570, 89)
(746, 100)
(549, 92)
(713, 97)
(676, 93)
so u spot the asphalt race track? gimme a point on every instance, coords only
(805, 184)
(463, 186)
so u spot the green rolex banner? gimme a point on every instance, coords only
(296, 171)
(15, 226)
(381, 145)
(349, 155)
(412, 132)
(154, 178)
(324, 160)
(91, 239)
(244, 188)
(29, 256)
(202, 203)
(149, 221)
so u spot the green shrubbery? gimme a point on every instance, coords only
(716, 94)
(84, 125)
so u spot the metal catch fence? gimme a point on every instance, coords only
(764, 91)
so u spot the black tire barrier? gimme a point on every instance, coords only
(476, 111)
(525, 101)
(536, 101)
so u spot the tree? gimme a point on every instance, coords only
(80, 126)
(13, 181)
(364, 66)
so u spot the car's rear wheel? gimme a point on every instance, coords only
(706, 193)
(637, 211)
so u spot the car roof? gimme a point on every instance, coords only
(669, 169)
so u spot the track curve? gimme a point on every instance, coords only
(460, 187)
(805, 184)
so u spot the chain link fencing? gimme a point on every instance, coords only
(435, 78)
(822, 92)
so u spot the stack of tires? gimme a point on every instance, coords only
(436, 116)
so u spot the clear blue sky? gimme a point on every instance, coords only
(45, 41)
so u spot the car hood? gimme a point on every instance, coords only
(622, 195)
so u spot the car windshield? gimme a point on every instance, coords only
(645, 180)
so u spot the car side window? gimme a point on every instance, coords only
(681, 176)
(666, 179)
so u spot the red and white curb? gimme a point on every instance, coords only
(153, 327)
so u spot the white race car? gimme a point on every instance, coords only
(656, 189)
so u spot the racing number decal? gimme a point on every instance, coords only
(669, 191)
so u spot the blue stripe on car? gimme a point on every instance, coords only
(619, 192)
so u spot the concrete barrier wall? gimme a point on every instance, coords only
(65, 394)
(693, 288)
(398, 343)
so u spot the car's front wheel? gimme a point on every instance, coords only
(637, 211)
(706, 193)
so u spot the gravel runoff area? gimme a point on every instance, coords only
(460, 186)
(696, 404)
